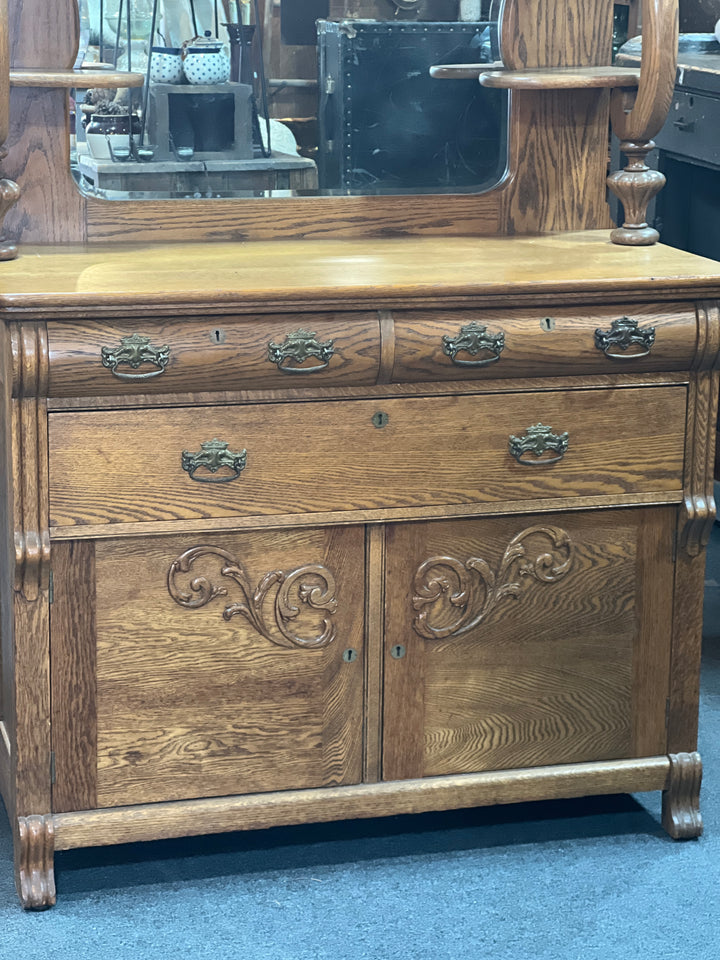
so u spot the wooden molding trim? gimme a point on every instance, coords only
(224, 814)
(30, 357)
(698, 510)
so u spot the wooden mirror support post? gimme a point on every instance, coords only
(9, 191)
(637, 184)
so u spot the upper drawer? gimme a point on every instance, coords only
(457, 344)
(365, 455)
(101, 358)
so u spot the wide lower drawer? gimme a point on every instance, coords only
(466, 344)
(364, 455)
(109, 358)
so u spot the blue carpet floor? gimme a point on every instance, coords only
(575, 880)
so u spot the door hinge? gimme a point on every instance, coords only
(51, 588)
(52, 767)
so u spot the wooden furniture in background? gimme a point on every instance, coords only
(301, 531)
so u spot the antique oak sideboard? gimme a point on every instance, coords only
(312, 529)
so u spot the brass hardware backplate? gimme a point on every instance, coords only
(135, 351)
(537, 440)
(622, 335)
(214, 455)
(380, 419)
(473, 338)
(297, 348)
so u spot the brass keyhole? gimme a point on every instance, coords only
(380, 419)
(548, 324)
(217, 335)
(349, 655)
(397, 652)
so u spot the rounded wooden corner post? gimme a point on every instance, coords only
(9, 190)
(637, 184)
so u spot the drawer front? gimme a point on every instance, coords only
(101, 358)
(364, 455)
(691, 127)
(461, 344)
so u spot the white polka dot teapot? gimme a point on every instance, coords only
(205, 60)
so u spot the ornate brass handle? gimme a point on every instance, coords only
(134, 351)
(298, 347)
(474, 338)
(214, 455)
(537, 440)
(624, 333)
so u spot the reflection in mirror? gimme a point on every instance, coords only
(253, 98)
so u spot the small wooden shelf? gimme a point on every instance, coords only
(75, 78)
(558, 78)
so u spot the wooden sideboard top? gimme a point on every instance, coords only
(375, 272)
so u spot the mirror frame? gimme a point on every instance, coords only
(555, 178)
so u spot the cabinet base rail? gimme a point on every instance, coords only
(154, 821)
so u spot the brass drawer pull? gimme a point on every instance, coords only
(624, 333)
(214, 455)
(134, 351)
(297, 348)
(474, 338)
(537, 440)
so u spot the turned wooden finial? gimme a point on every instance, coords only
(637, 184)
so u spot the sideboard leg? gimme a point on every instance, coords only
(681, 800)
(34, 862)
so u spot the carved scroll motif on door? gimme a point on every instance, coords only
(455, 596)
(310, 586)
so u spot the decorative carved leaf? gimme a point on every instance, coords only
(448, 579)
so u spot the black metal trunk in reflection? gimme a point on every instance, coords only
(387, 126)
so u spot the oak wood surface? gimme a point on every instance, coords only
(374, 635)
(194, 703)
(337, 518)
(73, 677)
(558, 341)
(69, 278)
(72, 79)
(432, 450)
(555, 33)
(559, 79)
(557, 669)
(213, 354)
(188, 818)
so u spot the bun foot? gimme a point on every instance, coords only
(681, 816)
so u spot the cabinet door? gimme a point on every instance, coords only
(202, 665)
(524, 641)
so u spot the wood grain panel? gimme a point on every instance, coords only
(72, 631)
(96, 828)
(559, 150)
(190, 704)
(556, 33)
(374, 633)
(50, 209)
(323, 457)
(568, 347)
(43, 34)
(212, 354)
(549, 671)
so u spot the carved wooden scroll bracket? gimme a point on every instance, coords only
(681, 816)
(698, 509)
(35, 874)
(637, 123)
(30, 458)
